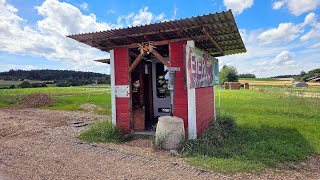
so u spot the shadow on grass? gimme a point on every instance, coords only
(251, 149)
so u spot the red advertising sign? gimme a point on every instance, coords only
(199, 68)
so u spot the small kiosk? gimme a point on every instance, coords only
(166, 68)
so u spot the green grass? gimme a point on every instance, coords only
(289, 89)
(65, 98)
(270, 129)
(262, 79)
(103, 131)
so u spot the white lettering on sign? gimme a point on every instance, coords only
(122, 91)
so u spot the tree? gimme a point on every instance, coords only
(25, 84)
(228, 74)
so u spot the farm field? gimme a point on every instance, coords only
(272, 128)
(273, 125)
(273, 82)
(65, 98)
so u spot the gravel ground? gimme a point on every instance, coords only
(42, 144)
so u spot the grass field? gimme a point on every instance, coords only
(65, 98)
(265, 79)
(273, 125)
(16, 83)
(272, 82)
(271, 128)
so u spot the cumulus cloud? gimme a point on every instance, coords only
(142, 17)
(84, 6)
(297, 7)
(284, 56)
(111, 11)
(47, 38)
(284, 32)
(238, 6)
(278, 4)
(266, 60)
(314, 32)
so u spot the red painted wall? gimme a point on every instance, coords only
(176, 56)
(121, 65)
(204, 108)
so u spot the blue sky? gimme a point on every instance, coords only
(281, 36)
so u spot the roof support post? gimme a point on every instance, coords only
(192, 114)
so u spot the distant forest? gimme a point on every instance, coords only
(59, 77)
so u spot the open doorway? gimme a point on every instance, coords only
(150, 95)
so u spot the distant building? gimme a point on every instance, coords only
(313, 79)
(299, 84)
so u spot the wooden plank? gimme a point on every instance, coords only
(164, 61)
(136, 61)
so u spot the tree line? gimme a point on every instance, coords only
(59, 77)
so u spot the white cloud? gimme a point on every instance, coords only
(278, 4)
(310, 19)
(284, 32)
(160, 17)
(314, 32)
(111, 11)
(238, 6)
(271, 59)
(48, 38)
(84, 6)
(297, 7)
(142, 17)
(283, 57)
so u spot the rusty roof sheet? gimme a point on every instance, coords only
(216, 33)
(106, 61)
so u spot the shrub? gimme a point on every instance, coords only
(104, 131)
(213, 140)
(25, 84)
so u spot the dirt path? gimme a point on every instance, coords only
(42, 144)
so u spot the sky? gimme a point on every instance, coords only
(281, 36)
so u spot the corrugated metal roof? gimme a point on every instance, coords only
(216, 33)
(106, 61)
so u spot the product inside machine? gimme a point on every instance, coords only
(150, 94)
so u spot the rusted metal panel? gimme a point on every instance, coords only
(220, 27)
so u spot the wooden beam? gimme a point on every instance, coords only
(214, 42)
(162, 59)
(162, 36)
(136, 61)
(157, 43)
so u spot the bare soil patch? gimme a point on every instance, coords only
(36, 100)
(43, 144)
